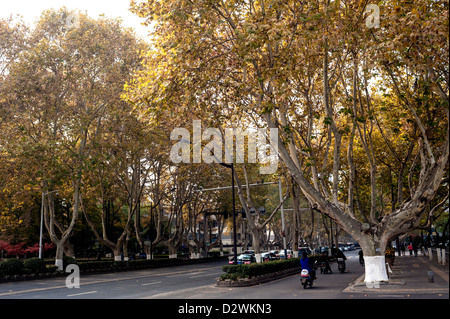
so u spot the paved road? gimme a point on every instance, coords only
(325, 287)
(131, 284)
(191, 282)
(186, 282)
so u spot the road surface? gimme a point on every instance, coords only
(187, 282)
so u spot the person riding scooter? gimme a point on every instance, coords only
(324, 264)
(341, 260)
(305, 263)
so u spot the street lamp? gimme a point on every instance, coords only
(234, 211)
(282, 219)
(182, 140)
(42, 221)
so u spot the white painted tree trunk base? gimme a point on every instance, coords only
(59, 264)
(375, 267)
(117, 258)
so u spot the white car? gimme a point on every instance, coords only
(289, 252)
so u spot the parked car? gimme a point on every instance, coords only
(349, 247)
(289, 252)
(268, 256)
(240, 257)
(246, 259)
(304, 249)
(276, 252)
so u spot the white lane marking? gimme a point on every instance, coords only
(152, 283)
(185, 274)
(92, 281)
(82, 293)
(206, 275)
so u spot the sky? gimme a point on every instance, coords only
(31, 10)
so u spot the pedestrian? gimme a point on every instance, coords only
(361, 257)
(402, 248)
(415, 250)
(410, 248)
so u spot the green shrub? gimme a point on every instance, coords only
(67, 260)
(96, 265)
(257, 269)
(51, 269)
(120, 265)
(35, 265)
(11, 266)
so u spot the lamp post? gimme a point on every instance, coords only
(234, 204)
(42, 221)
(282, 219)
(234, 211)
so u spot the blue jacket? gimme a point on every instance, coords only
(304, 263)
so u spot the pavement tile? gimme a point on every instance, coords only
(409, 275)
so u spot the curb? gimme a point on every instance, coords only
(246, 282)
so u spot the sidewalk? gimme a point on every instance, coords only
(410, 275)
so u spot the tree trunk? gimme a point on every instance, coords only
(59, 255)
(374, 237)
(68, 249)
(375, 269)
(374, 260)
(172, 250)
(51, 222)
(117, 253)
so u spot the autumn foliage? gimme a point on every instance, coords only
(21, 249)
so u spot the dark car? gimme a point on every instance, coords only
(269, 256)
(246, 259)
(301, 250)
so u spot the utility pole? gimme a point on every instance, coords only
(282, 218)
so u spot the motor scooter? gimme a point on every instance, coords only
(324, 267)
(306, 279)
(341, 264)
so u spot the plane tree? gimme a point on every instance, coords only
(317, 71)
(61, 87)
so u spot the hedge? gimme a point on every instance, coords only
(35, 265)
(234, 272)
(11, 266)
(91, 266)
(14, 267)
